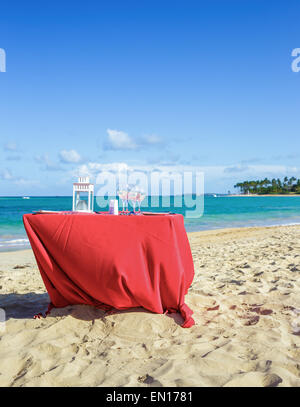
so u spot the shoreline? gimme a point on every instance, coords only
(210, 233)
(264, 195)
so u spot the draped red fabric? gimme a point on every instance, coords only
(113, 261)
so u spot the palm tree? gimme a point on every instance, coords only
(270, 187)
(279, 184)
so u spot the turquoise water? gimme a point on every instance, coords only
(219, 212)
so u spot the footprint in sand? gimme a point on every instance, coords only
(255, 379)
(252, 320)
(20, 267)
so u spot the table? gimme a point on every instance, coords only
(114, 262)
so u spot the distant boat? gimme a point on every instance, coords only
(214, 195)
(26, 197)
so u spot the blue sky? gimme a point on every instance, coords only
(203, 85)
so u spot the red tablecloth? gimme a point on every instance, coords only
(113, 261)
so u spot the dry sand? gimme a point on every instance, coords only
(245, 297)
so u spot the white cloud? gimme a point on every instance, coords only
(26, 182)
(217, 171)
(216, 178)
(260, 170)
(10, 147)
(166, 159)
(92, 169)
(6, 175)
(119, 140)
(47, 164)
(151, 139)
(236, 168)
(69, 156)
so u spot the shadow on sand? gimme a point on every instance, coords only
(25, 306)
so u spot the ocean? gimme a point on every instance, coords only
(219, 212)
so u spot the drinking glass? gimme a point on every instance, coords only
(123, 195)
(132, 196)
(140, 197)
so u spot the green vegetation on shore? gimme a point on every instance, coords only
(275, 186)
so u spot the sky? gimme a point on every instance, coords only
(150, 85)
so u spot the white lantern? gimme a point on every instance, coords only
(83, 186)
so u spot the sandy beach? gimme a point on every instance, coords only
(245, 297)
